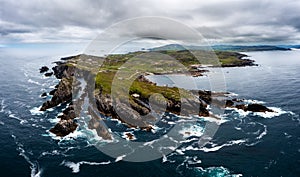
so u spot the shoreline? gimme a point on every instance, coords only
(62, 93)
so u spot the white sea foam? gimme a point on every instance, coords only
(125, 136)
(164, 159)
(194, 160)
(287, 135)
(74, 135)
(150, 143)
(33, 82)
(263, 133)
(76, 166)
(231, 94)
(36, 111)
(216, 171)
(17, 118)
(192, 130)
(34, 166)
(120, 158)
(253, 101)
(220, 120)
(54, 120)
(2, 105)
(277, 112)
(216, 147)
(54, 152)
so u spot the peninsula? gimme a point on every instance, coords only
(140, 89)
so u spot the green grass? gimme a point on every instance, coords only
(137, 63)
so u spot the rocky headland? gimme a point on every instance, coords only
(139, 94)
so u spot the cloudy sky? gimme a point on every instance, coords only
(220, 21)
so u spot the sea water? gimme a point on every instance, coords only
(246, 144)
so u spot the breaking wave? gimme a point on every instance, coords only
(76, 166)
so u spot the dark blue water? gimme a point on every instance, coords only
(247, 144)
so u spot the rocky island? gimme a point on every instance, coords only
(140, 89)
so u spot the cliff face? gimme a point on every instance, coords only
(62, 94)
(128, 114)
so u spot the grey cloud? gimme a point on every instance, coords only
(223, 21)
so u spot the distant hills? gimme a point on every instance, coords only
(235, 48)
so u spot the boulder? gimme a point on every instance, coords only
(44, 94)
(48, 74)
(44, 69)
(64, 127)
(229, 103)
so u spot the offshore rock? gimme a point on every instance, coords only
(64, 127)
(44, 69)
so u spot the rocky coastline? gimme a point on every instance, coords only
(139, 105)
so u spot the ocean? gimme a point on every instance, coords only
(245, 144)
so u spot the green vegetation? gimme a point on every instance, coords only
(139, 63)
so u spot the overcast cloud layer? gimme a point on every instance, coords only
(223, 21)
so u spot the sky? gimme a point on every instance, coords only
(219, 21)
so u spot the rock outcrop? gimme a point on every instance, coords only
(64, 127)
(44, 69)
(61, 95)
(48, 74)
(258, 108)
(237, 103)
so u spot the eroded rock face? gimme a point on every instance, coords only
(61, 95)
(63, 70)
(68, 113)
(64, 127)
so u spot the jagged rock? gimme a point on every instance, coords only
(229, 103)
(254, 108)
(63, 70)
(241, 106)
(44, 69)
(258, 108)
(61, 95)
(48, 74)
(130, 136)
(53, 91)
(68, 113)
(64, 127)
(205, 96)
(44, 94)
(203, 112)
